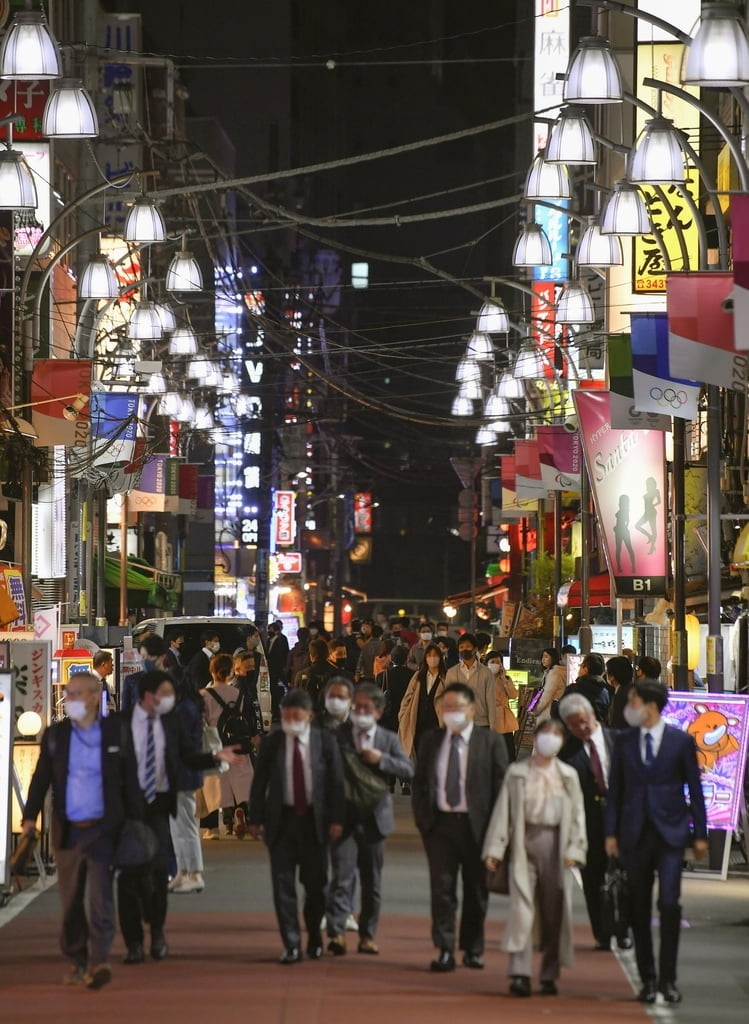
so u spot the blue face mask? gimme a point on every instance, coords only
(149, 664)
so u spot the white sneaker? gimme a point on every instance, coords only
(210, 833)
(352, 925)
(178, 879)
(191, 883)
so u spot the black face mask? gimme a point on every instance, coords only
(340, 662)
(466, 655)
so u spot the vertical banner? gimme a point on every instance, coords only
(700, 330)
(55, 385)
(284, 521)
(559, 457)
(32, 687)
(528, 482)
(114, 422)
(625, 412)
(656, 389)
(740, 243)
(627, 478)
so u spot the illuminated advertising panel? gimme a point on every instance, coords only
(284, 521)
(551, 56)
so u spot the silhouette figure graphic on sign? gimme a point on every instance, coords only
(651, 499)
(621, 533)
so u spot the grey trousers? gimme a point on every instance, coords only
(84, 876)
(185, 834)
(542, 851)
(363, 848)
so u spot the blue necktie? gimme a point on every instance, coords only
(452, 778)
(649, 755)
(149, 783)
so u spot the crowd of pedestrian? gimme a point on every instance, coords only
(357, 716)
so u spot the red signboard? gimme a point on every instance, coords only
(289, 562)
(284, 525)
(363, 512)
(25, 102)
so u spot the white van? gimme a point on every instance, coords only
(231, 632)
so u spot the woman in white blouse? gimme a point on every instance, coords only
(539, 822)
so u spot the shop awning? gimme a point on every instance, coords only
(599, 592)
(485, 593)
(162, 588)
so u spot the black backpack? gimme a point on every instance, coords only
(233, 727)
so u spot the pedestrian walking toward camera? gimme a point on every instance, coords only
(648, 823)
(297, 800)
(420, 708)
(469, 670)
(94, 788)
(459, 772)
(539, 823)
(505, 691)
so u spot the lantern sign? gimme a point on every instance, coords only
(289, 562)
(284, 523)
(362, 512)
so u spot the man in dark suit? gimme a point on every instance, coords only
(157, 741)
(297, 799)
(459, 771)
(94, 787)
(362, 845)
(589, 753)
(648, 823)
(197, 671)
(277, 652)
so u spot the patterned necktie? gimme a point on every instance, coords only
(649, 755)
(452, 778)
(149, 783)
(597, 768)
(300, 790)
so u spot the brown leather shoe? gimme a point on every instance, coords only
(368, 946)
(337, 945)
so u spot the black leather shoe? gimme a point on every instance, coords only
(159, 947)
(445, 962)
(625, 942)
(648, 992)
(314, 948)
(670, 992)
(520, 985)
(549, 988)
(134, 954)
(290, 956)
(601, 944)
(473, 960)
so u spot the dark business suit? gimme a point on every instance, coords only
(298, 841)
(197, 672)
(142, 892)
(594, 868)
(650, 818)
(362, 844)
(84, 854)
(453, 841)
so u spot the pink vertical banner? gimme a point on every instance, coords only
(560, 458)
(627, 471)
(740, 244)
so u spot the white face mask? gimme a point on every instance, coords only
(165, 705)
(336, 706)
(426, 637)
(455, 721)
(313, 632)
(548, 744)
(634, 715)
(362, 721)
(441, 632)
(75, 709)
(494, 667)
(294, 728)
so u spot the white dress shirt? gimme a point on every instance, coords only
(656, 731)
(598, 739)
(288, 781)
(442, 759)
(139, 726)
(364, 738)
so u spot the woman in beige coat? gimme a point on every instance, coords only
(539, 820)
(504, 691)
(420, 707)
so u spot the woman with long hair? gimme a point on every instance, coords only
(419, 710)
(554, 683)
(505, 690)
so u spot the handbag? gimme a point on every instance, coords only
(211, 744)
(23, 853)
(136, 846)
(498, 880)
(363, 787)
(615, 918)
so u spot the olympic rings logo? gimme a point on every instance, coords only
(669, 397)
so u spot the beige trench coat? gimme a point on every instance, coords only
(507, 827)
(409, 711)
(232, 787)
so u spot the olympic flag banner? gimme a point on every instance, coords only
(700, 330)
(656, 389)
(621, 463)
(625, 410)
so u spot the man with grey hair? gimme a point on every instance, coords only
(589, 753)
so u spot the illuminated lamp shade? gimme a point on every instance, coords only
(29, 51)
(184, 274)
(166, 315)
(461, 406)
(183, 342)
(17, 188)
(496, 407)
(29, 723)
(69, 112)
(509, 386)
(203, 419)
(157, 384)
(625, 212)
(480, 347)
(98, 280)
(470, 389)
(485, 436)
(144, 223)
(575, 305)
(492, 319)
(571, 139)
(467, 369)
(144, 324)
(532, 248)
(593, 74)
(185, 412)
(499, 426)
(657, 157)
(529, 364)
(230, 383)
(169, 404)
(718, 54)
(550, 182)
(597, 250)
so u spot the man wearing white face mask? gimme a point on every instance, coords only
(416, 654)
(94, 787)
(198, 671)
(362, 845)
(459, 772)
(297, 800)
(157, 741)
